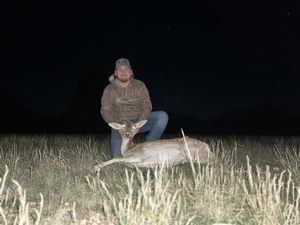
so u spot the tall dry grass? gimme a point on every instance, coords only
(249, 184)
(14, 207)
(289, 157)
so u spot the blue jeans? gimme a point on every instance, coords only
(156, 124)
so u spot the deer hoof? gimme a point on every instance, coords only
(96, 169)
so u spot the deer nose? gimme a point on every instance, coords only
(127, 134)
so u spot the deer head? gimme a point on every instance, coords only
(127, 131)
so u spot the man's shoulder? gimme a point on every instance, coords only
(109, 87)
(138, 82)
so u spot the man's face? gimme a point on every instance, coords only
(123, 73)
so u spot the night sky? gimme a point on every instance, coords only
(198, 60)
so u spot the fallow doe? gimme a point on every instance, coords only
(169, 152)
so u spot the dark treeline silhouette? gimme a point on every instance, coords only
(260, 120)
(83, 116)
(85, 107)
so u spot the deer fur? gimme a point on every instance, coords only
(170, 152)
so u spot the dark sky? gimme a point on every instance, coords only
(197, 59)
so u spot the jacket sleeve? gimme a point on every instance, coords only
(106, 106)
(145, 103)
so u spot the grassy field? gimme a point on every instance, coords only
(49, 180)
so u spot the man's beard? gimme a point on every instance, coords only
(124, 80)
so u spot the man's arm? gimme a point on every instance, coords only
(106, 106)
(145, 103)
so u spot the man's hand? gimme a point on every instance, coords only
(125, 133)
(136, 131)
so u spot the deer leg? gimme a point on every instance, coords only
(128, 160)
(98, 167)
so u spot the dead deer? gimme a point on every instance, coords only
(169, 152)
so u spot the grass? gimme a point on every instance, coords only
(49, 180)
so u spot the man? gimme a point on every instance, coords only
(127, 98)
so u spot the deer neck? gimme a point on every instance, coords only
(126, 144)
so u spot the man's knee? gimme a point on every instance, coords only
(163, 117)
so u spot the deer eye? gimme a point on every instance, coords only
(133, 127)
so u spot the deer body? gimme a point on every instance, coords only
(170, 152)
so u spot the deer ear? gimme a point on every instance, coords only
(140, 123)
(116, 126)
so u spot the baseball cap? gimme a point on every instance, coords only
(123, 62)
